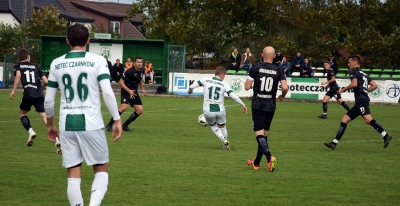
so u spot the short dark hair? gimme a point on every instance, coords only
(77, 35)
(327, 62)
(297, 52)
(355, 58)
(138, 57)
(220, 70)
(23, 54)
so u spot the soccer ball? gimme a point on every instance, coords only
(202, 120)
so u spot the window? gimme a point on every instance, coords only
(115, 27)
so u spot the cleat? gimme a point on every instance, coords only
(386, 140)
(323, 116)
(331, 145)
(58, 146)
(226, 145)
(251, 164)
(271, 164)
(32, 136)
(109, 127)
(126, 128)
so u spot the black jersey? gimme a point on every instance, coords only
(132, 78)
(266, 78)
(361, 90)
(332, 85)
(30, 79)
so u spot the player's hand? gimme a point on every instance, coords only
(323, 83)
(44, 86)
(117, 130)
(280, 98)
(340, 91)
(190, 91)
(132, 94)
(52, 133)
(12, 95)
(144, 92)
(244, 109)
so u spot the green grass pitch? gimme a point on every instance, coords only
(169, 159)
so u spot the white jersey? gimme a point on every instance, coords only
(77, 74)
(214, 90)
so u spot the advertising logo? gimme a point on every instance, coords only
(180, 82)
(235, 85)
(377, 92)
(393, 90)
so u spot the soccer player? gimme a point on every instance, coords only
(333, 91)
(129, 84)
(266, 78)
(78, 75)
(359, 84)
(30, 74)
(213, 105)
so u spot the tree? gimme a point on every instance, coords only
(47, 20)
(11, 38)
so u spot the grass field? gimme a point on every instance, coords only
(169, 159)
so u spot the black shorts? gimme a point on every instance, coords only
(262, 119)
(28, 102)
(358, 109)
(125, 99)
(333, 93)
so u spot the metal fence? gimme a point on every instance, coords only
(176, 60)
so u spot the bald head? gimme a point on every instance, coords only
(268, 54)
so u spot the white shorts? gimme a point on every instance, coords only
(88, 146)
(218, 117)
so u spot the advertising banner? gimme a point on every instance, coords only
(110, 50)
(299, 88)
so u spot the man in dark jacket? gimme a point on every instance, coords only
(297, 62)
(307, 69)
(278, 58)
(117, 71)
(333, 63)
(234, 60)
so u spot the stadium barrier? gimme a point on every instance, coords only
(1, 77)
(299, 88)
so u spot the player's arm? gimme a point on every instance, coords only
(238, 100)
(333, 79)
(372, 86)
(142, 86)
(250, 79)
(52, 86)
(352, 85)
(194, 86)
(123, 86)
(284, 89)
(16, 82)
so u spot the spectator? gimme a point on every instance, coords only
(297, 62)
(285, 65)
(234, 60)
(333, 63)
(148, 72)
(261, 60)
(109, 65)
(117, 71)
(278, 58)
(128, 63)
(247, 60)
(307, 69)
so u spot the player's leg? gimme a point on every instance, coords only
(94, 148)
(125, 98)
(341, 102)
(137, 105)
(271, 160)
(349, 116)
(25, 107)
(221, 122)
(369, 120)
(72, 161)
(325, 100)
(211, 118)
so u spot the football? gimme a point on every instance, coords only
(202, 120)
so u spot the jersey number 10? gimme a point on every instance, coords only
(266, 84)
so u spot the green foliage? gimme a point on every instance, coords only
(12, 37)
(318, 28)
(46, 20)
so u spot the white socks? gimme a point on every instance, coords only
(74, 191)
(99, 188)
(224, 132)
(217, 131)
